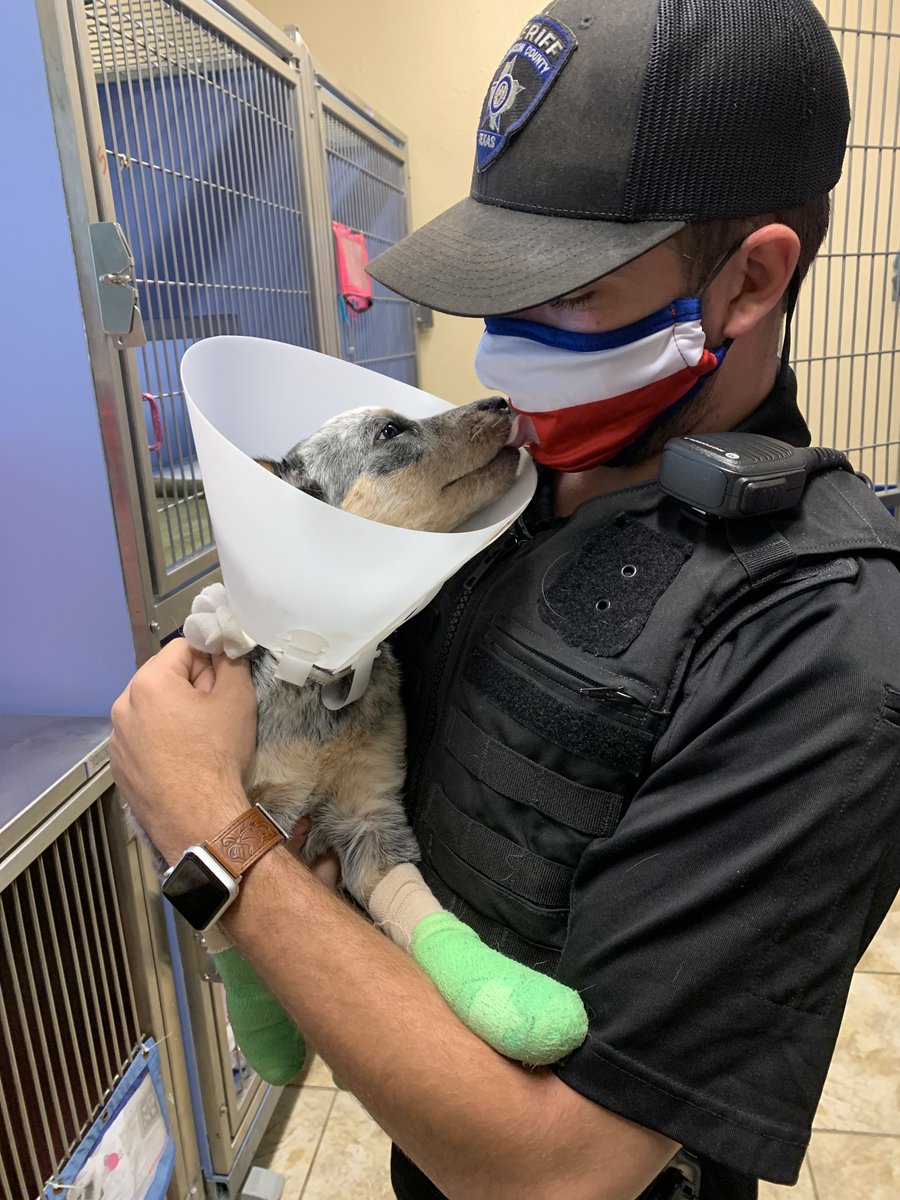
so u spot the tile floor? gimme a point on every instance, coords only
(328, 1148)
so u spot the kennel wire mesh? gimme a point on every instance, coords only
(847, 351)
(68, 1015)
(201, 152)
(367, 191)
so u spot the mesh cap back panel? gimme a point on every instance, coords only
(759, 123)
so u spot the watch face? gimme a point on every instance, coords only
(196, 891)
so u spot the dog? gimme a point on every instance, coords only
(345, 768)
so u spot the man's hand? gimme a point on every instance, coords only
(184, 732)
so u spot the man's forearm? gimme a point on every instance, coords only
(480, 1126)
(384, 1029)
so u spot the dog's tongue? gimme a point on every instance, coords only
(522, 432)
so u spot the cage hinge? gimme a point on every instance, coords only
(116, 292)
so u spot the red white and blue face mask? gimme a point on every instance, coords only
(591, 396)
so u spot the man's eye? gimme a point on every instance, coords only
(572, 301)
(387, 432)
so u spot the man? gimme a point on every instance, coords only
(652, 755)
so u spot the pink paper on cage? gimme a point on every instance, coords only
(352, 255)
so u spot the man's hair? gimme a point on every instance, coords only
(705, 243)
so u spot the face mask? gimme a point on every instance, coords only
(591, 396)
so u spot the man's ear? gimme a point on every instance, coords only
(757, 277)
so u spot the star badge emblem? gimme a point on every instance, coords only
(502, 95)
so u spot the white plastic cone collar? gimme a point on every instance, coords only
(320, 586)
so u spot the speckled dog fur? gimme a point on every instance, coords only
(345, 769)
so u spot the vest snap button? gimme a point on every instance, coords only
(629, 571)
(603, 605)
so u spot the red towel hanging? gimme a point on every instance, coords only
(352, 255)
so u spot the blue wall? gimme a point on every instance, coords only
(66, 640)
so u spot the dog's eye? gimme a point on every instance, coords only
(387, 432)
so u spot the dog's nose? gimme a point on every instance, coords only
(492, 404)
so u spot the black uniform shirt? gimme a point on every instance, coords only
(714, 936)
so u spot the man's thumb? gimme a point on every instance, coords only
(230, 672)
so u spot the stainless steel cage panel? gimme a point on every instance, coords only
(187, 123)
(200, 153)
(846, 343)
(80, 988)
(368, 190)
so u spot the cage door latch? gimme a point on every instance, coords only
(114, 267)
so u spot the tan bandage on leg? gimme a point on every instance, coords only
(400, 901)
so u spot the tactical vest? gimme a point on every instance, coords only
(539, 682)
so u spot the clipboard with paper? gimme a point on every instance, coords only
(128, 1153)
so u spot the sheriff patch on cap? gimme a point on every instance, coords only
(529, 68)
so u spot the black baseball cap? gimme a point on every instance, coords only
(609, 125)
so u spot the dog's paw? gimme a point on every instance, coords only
(212, 626)
(521, 1013)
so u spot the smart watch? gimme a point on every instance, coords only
(205, 880)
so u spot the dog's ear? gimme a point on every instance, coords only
(292, 469)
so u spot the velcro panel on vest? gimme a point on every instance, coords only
(536, 879)
(589, 810)
(498, 937)
(602, 600)
(584, 731)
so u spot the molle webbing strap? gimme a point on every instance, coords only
(761, 550)
(495, 935)
(536, 879)
(589, 810)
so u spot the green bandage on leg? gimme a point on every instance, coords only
(269, 1040)
(523, 1014)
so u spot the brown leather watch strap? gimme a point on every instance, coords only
(244, 841)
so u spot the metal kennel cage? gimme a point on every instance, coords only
(847, 339)
(190, 135)
(199, 153)
(91, 967)
(84, 982)
(200, 131)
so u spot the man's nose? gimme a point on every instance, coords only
(492, 404)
